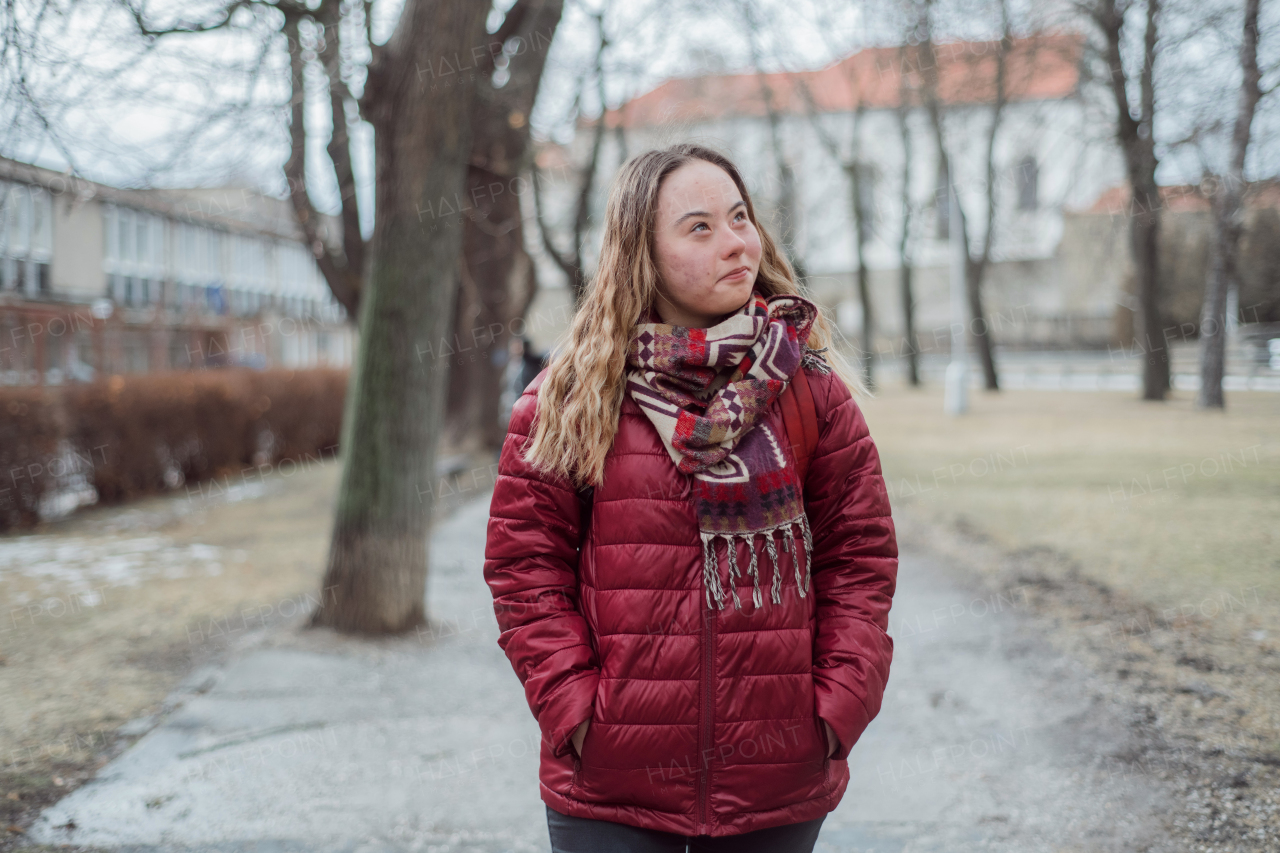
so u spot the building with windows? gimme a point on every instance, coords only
(799, 137)
(97, 279)
(27, 238)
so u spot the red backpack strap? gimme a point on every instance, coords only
(800, 417)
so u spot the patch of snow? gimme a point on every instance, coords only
(80, 565)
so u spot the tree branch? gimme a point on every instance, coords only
(562, 260)
(295, 170)
(351, 262)
(997, 114)
(138, 13)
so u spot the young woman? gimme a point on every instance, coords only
(700, 635)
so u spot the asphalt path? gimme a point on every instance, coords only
(306, 741)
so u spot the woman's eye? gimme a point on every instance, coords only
(701, 225)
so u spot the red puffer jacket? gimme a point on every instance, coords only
(703, 722)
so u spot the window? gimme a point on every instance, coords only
(142, 245)
(18, 209)
(127, 252)
(159, 267)
(111, 223)
(213, 255)
(31, 278)
(26, 237)
(41, 248)
(1028, 179)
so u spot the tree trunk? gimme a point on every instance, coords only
(1228, 224)
(570, 261)
(1144, 230)
(868, 323)
(972, 272)
(789, 217)
(495, 269)
(906, 273)
(419, 103)
(1136, 135)
(973, 275)
(909, 322)
(1213, 315)
(342, 265)
(787, 214)
(976, 268)
(864, 286)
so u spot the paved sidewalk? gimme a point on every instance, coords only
(309, 741)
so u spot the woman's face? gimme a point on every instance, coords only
(708, 250)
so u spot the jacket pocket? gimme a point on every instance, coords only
(826, 751)
(579, 764)
(822, 735)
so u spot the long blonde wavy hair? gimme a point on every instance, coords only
(581, 397)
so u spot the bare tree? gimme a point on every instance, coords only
(859, 174)
(570, 260)
(975, 269)
(1228, 218)
(979, 328)
(71, 73)
(1135, 132)
(311, 36)
(376, 573)
(787, 203)
(342, 265)
(906, 269)
(428, 93)
(496, 274)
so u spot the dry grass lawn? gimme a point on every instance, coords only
(106, 611)
(1178, 506)
(1146, 539)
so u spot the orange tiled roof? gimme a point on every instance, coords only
(1187, 198)
(1038, 67)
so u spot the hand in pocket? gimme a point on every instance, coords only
(579, 735)
(832, 740)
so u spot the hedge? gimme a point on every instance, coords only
(139, 434)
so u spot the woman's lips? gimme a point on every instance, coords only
(739, 273)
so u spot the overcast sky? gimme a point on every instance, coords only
(208, 109)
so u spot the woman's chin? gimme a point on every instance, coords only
(738, 290)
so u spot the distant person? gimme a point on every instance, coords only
(692, 693)
(531, 362)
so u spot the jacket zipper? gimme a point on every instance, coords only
(708, 719)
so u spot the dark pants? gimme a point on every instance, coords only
(583, 835)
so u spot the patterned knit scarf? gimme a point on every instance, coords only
(704, 390)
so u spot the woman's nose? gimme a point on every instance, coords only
(732, 245)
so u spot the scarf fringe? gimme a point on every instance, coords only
(813, 359)
(711, 569)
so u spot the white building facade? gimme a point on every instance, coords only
(95, 279)
(1054, 154)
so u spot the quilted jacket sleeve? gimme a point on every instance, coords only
(855, 565)
(531, 562)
